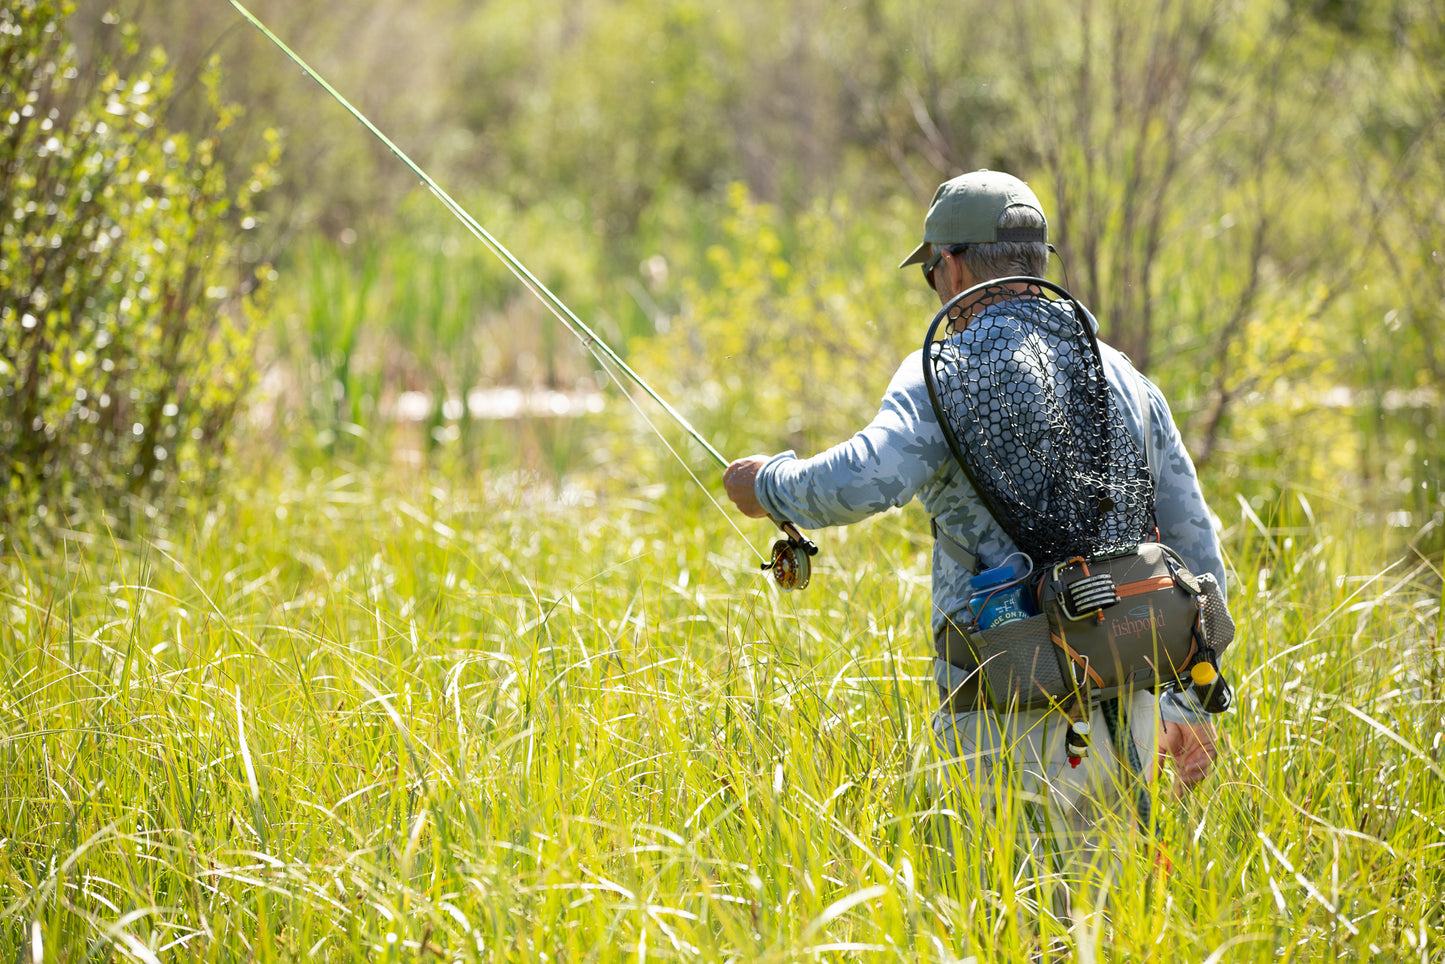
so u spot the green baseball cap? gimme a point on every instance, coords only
(966, 210)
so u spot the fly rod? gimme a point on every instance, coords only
(790, 563)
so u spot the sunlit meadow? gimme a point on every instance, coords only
(412, 678)
(390, 714)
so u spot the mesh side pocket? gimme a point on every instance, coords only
(1218, 624)
(1021, 664)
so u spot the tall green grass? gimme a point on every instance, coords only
(382, 715)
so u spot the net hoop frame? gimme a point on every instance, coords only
(954, 310)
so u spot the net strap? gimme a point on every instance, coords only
(1146, 413)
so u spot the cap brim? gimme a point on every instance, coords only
(919, 255)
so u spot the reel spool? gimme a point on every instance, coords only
(791, 559)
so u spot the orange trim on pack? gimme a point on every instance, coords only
(1079, 660)
(1143, 586)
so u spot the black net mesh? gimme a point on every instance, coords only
(1018, 386)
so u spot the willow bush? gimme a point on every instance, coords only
(124, 346)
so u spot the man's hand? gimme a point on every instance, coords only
(738, 479)
(1191, 746)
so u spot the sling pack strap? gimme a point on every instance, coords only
(1146, 413)
(954, 549)
(951, 645)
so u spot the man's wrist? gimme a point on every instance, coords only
(740, 481)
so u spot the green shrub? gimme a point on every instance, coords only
(124, 343)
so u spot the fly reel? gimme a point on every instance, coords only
(791, 560)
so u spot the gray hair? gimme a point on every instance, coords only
(1004, 259)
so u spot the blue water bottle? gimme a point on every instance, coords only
(998, 596)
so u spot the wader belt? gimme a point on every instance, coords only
(949, 645)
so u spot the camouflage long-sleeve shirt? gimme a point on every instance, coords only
(902, 455)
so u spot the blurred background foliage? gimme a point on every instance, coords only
(1246, 193)
(125, 351)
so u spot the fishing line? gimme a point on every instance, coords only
(681, 461)
(554, 304)
(790, 557)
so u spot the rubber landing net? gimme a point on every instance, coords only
(1014, 373)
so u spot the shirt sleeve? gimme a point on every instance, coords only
(881, 467)
(1185, 523)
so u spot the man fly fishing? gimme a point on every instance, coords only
(984, 226)
(1060, 406)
